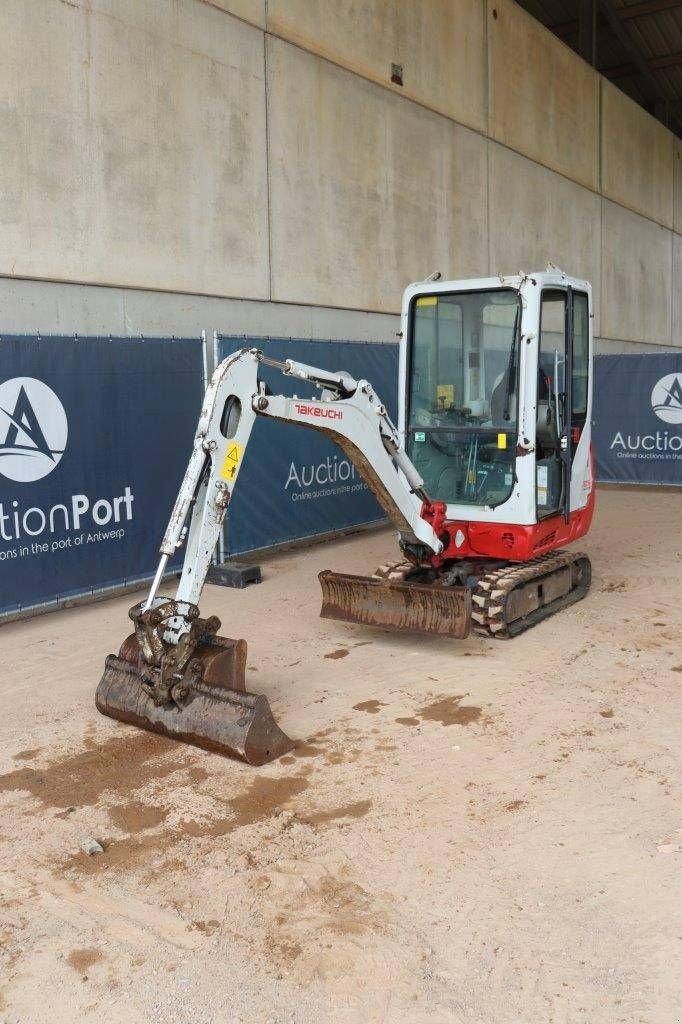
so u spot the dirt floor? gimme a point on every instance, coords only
(470, 831)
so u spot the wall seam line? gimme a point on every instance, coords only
(267, 152)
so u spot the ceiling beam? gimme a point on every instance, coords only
(587, 32)
(641, 10)
(647, 7)
(636, 57)
(628, 69)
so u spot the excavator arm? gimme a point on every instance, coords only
(174, 675)
(348, 411)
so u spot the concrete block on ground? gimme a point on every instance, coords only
(636, 157)
(543, 99)
(361, 206)
(234, 574)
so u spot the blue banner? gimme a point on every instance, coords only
(294, 482)
(637, 413)
(95, 434)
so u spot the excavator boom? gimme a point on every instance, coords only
(174, 674)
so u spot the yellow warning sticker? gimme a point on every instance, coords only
(427, 300)
(231, 461)
(445, 393)
(501, 440)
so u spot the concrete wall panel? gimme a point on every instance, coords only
(361, 206)
(250, 10)
(636, 277)
(636, 157)
(439, 43)
(677, 290)
(134, 148)
(543, 99)
(538, 216)
(55, 308)
(677, 163)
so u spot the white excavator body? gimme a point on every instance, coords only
(486, 476)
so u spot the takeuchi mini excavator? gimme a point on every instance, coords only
(486, 478)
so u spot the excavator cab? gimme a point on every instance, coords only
(496, 379)
(461, 396)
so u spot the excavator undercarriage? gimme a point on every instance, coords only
(499, 600)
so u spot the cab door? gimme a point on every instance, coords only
(563, 368)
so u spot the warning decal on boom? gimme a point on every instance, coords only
(231, 461)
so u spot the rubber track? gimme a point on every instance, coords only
(492, 592)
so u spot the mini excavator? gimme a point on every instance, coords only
(486, 478)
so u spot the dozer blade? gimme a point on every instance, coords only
(399, 606)
(218, 714)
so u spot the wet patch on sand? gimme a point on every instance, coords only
(342, 652)
(449, 711)
(83, 959)
(407, 721)
(121, 764)
(265, 798)
(370, 706)
(137, 816)
(206, 927)
(356, 810)
(283, 951)
(26, 755)
(343, 755)
(305, 750)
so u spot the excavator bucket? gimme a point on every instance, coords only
(212, 709)
(401, 606)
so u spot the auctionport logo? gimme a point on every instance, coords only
(33, 429)
(666, 398)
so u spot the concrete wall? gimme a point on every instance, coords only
(529, 225)
(45, 307)
(133, 146)
(543, 99)
(251, 167)
(440, 45)
(636, 157)
(637, 275)
(367, 192)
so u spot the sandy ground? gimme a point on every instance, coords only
(471, 831)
